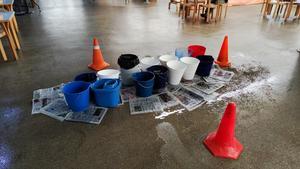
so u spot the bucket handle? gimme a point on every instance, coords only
(143, 85)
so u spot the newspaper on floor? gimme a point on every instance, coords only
(207, 88)
(191, 82)
(43, 97)
(188, 99)
(206, 97)
(172, 88)
(167, 100)
(57, 109)
(145, 105)
(128, 94)
(222, 75)
(93, 115)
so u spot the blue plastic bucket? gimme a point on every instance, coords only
(161, 76)
(205, 65)
(77, 95)
(86, 77)
(107, 92)
(144, 82)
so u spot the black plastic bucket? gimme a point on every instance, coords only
(205, 65)
(161, 75)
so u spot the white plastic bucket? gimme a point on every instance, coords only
(126, 75)
(108, 74)
(165, 58)
(192, 65)
(148, 62)
(176, 70)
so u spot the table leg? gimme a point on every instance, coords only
(10, 39)
(290, 6)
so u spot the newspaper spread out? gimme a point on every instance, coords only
(57, 109)
(172, 88)
(188, 99)
(191, 82)
(128, 94)
(167, 100)
(43, 97)
(93, 115)
(222, 75)
(207, 88)
(206, 97)
(145, 105)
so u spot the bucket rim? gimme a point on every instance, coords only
(183, 65)
(189, 60)
(105, 72)
(85, 84)
(153, 76)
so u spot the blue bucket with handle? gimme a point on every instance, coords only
(77, 95)
(144, 82)
(161, 76)
(106, 92)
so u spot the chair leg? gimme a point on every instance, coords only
(3, 51)
(15, 37)
(12, 46)
(225, 11)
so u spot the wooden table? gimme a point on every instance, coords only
(6, 21)
(8, 5)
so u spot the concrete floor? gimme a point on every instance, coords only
(56, 45)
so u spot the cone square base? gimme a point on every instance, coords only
(221, 64)
(232, 151)
(98, 67)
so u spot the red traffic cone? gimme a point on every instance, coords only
(222, 143)
(222, 60)
(98, 61)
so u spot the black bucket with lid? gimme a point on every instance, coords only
(128, 61)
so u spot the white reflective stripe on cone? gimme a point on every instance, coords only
(97, 47)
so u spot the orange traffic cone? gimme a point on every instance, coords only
(98, 61)
(222, 143)
(223, 55)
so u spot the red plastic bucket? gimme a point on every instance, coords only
(196, 50)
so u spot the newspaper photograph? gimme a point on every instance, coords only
(206, 97)
(191, 82)
(93, 115)
(52, 92)
(167, 100)
(38, 104)
(172, 88)
(222, 75)
(207, 88)
(57, 109)
(128, 94)
(188, 99)
(145, 105)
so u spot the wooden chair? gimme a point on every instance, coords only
(175, 2)
(269, 7)
(297, 11)
(219, 10)
(280, 5)
(208, 8)
(186, 7)
(2, 34)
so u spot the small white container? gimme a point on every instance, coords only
(108, 74)
(165, 58)
(148, 62)
(192, 65)
(176, 70)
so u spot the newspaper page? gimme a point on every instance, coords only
(222, 75)
(145, 105)
(128, 94)
(167, 100)
(188, 99)
(206, 97)
(43, 97)
(93, 115)
(191, 82)
(57, 109)
(207, 88)
(172, 88)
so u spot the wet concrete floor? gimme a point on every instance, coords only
(56, 45)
